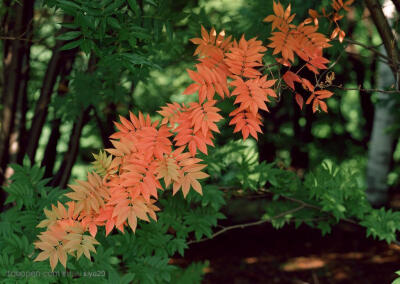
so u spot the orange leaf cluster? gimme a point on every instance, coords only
(304, 41)
(239, 61)
(334, 16)
(142, 155)
(64, 235)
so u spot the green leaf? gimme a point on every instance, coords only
(157, 29)
(151, 2)
(132, 4)
(68, 4)
(397, 280)
(168, 28)
(72, 44)
(69, 35)
(87, 45)
(127, 278)
(69, 25)
(114, 6)
(113, 22)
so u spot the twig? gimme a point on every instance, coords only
(366, 90)
(369, 48)
(301, 206)
(245, 225)
(331, 66)
(308, 205)
(269, 66)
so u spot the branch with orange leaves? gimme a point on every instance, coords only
(125, 185)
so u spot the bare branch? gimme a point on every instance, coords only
(351, 41)
(366, 90)
(245, 225)
(385, 31)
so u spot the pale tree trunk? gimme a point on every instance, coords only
(382, 141)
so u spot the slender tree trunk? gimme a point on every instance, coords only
(18, 25)
(50, 153)
(107, 127)
(381, 144)
(64, 172)
(57, 62)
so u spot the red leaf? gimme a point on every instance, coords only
(191, 89)
(323, 106)
(323, 94)
(289, 77)
(299, 100)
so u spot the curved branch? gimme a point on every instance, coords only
(245, 225)
(385, 31)
(365, 90)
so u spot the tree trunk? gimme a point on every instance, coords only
(18, 29)
(50, 153)
(382, 141)
(107, 127)
(64, 172)
(57, 63)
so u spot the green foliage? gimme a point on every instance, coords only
(126, 39)
(382, 224)
(192, 274)
(322, 198)
(28, 194)
(397, 280)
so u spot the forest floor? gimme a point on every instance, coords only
(262, 254)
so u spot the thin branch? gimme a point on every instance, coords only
(366, 90)
(301, 206)
(308, 205)
(330, 66)
(268, 66)
(17, 38)
(388, 38)
(245, 225)
(369, 48)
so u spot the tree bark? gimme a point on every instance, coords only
(18, 24)
(57, 62)
(385, 32)
(381, 144)
(50, 153)
(64, 172)
(107, 127)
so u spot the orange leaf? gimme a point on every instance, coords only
(289, 77)
(299, 100)
(191, 89)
